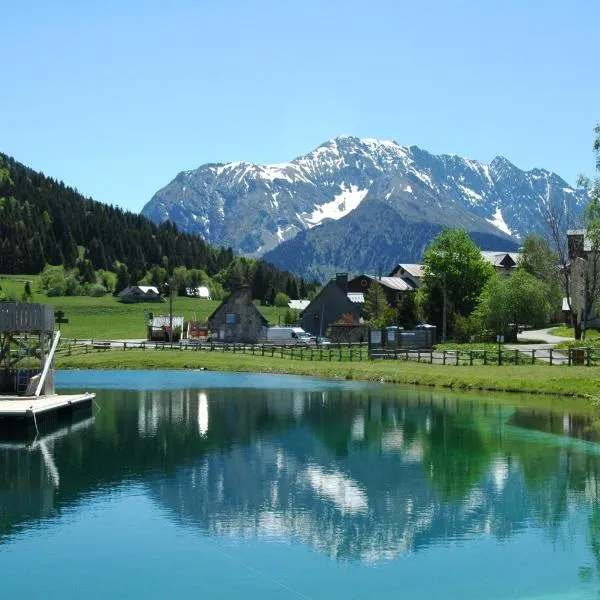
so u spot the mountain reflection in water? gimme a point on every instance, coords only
(360, 474)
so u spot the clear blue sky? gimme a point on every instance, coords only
(116, 97)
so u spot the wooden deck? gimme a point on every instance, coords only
(28, 406)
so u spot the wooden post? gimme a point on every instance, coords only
(457, 355)
(516, 357)
(470, 358)
(443, 357)
(551, 357)
(533, 357)
(485, 357)
(570, 356)
(589, 357)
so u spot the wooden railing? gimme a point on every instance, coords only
(16, 317)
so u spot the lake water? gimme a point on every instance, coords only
(216, 485)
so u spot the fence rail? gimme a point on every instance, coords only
(350, 352)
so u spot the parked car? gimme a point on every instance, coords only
(321, 340)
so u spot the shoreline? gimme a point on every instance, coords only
(563, 381)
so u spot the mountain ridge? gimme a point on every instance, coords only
(258, 209)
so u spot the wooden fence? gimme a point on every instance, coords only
(351, 352)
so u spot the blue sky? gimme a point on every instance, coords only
(116, 97)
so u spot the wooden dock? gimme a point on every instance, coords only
(29, 406)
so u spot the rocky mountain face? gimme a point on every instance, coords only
(360, 205)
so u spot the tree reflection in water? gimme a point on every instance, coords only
(361, 474)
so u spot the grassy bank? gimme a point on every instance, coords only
(534, 379)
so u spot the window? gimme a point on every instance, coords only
(231, 318)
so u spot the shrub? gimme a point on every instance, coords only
(96, 290)
(281, 300)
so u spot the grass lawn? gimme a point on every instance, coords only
(557, 380)
(106, 318)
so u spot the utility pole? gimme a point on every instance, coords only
(170, 310)
(444, 309)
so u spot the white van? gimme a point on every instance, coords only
(288, 335)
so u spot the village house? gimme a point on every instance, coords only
(393, 287)
(237, 319)
(330, 305)
(503, 262)
(412, 273)
(140, 293)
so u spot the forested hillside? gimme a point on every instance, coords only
(43, 221)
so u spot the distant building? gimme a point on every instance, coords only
(409, 271)
(140, 293)
(503, 262)
(330, 305)
(298, 304)
(201, 291)
(578, 243)
(237, 319)
(393, 287)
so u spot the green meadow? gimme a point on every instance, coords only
(107, 318)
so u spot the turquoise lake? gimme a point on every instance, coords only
(219, 485)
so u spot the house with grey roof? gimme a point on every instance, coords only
(331, 305)
(140, 293)
(393, 287)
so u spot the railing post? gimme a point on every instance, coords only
(533, 357)
(589, 357)
(551, 357)
(570, 356)
(470, 358)
(443, 357)
(457, 357)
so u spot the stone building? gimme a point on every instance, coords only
(237, 319)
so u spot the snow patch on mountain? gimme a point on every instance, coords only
(344, 202)
(498, 221)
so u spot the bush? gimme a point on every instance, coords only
(57, 290)
(281, 300)
(465, 328)
(96, 290)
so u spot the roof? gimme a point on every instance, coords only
(245, 290)
(356, 297)
(298, 304)
(413, 269)
(501, 259)
(164, 320)
(146, 290)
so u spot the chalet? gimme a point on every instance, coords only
(413, 273)
(503, 262)
(140, 293)
(237, 319)
(393, 287)
(330, 305)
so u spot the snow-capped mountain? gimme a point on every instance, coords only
(348, 182)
